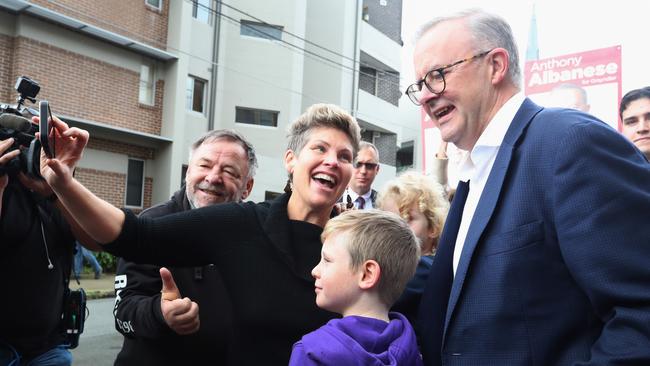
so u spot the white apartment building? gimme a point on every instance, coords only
(148, 77)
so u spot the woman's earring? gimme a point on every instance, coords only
(287, 188)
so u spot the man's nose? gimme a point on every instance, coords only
(214, 176)
(426, 98)
(332, 158)
(643, 126)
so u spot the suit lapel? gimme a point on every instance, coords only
(490, 197)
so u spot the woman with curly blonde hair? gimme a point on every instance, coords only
(423, 204)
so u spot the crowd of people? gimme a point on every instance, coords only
(538, 256)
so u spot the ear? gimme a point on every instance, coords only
(499, 63)
(249, 188)
(289, 160)
(370, 274)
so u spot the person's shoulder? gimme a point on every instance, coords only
(275, 205)
(562, 119)
(178, 202)
(161, 209)
(554, 126)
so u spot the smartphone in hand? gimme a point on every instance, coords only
(46, 129)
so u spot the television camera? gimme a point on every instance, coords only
(15, 123)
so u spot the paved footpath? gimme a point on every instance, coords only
(100, 342)
(100, 288)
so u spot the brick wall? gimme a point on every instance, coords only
(379, 80)
(87, 88)
(148, 188)
(385, 18)
(132, 151)
(110, 186)
(386, 144)
(7, 92)
(130, 18)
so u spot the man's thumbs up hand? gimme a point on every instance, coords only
(181, 314)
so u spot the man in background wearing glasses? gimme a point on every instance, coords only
(366, 166)
(544, 256)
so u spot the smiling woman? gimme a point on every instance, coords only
(264, 252)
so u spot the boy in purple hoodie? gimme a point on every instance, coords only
(368, 256)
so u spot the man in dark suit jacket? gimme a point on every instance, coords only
(366, 167)
(546, 262)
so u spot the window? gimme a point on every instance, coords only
(404, 159)
(260, 30)
(183, 174)
(147, 84)
(256, 116)
(154, 3)
(135, 183)
(195, 94)
(202, 10)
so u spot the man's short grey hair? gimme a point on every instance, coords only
(368, 145)
(489, 31)
(232, 136)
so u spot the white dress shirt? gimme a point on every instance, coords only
(478, 164)
(353, 195)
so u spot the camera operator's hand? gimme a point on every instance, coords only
(4, 159)
(181, 314)
(69, 142)
(37, 185)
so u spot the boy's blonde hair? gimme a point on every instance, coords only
(381, 236)
(412, 187)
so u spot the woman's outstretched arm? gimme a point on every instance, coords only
(101, 220)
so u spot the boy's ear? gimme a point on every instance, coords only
(370, 274)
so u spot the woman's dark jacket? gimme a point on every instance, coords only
(265, 260)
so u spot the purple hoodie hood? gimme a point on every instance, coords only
(356, 340)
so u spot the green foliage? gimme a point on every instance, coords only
(107, 261)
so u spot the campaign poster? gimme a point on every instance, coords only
(562, 80)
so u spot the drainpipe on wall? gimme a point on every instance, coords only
(215, 68)
(356, 66)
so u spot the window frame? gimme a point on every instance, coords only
(126, 186)
(243, 23)
(276, 115)
(159, 7)
(152, 73)
(189, 106)
(195, 9)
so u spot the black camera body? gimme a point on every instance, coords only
(14, 124)
(74, 316)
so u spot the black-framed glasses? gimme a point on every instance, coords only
(369, 166)
(435, 80)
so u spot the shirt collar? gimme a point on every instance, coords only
(491, 138)
(353, 195)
